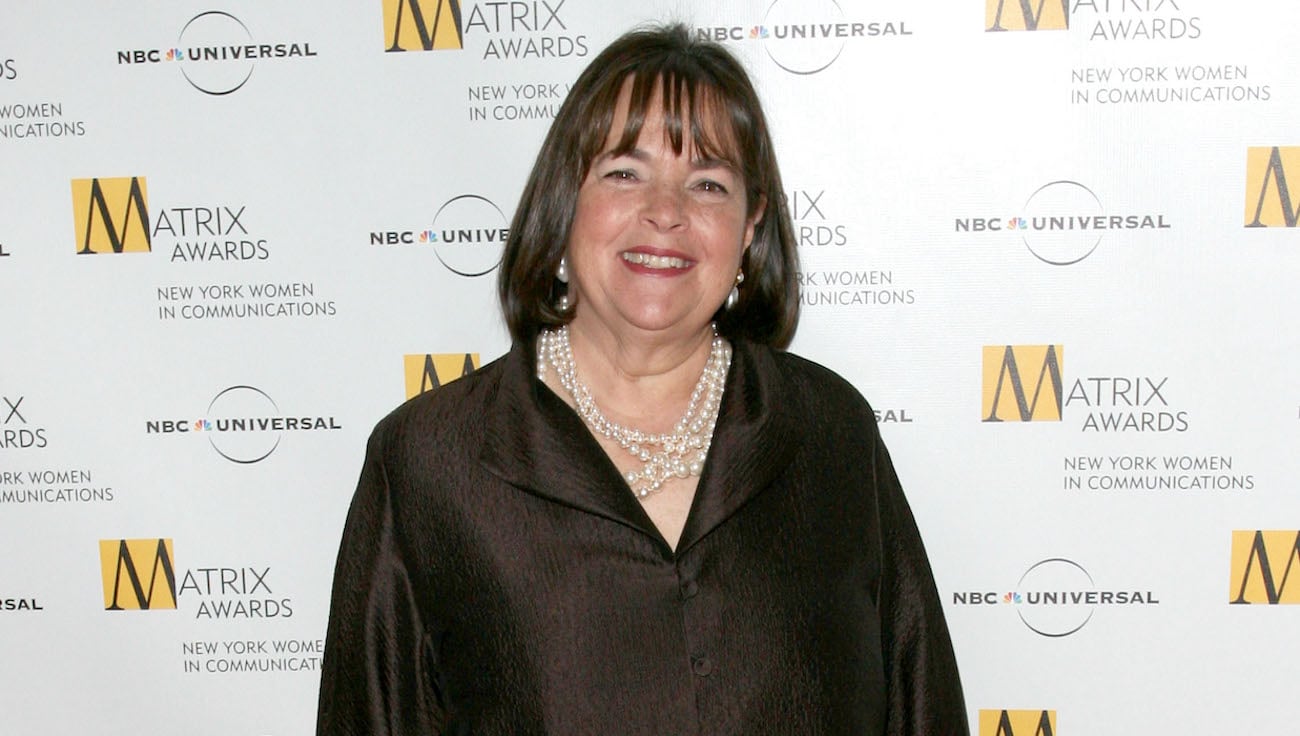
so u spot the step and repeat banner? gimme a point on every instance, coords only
(1054, 242)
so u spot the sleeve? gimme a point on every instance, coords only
(375, 674)
(924, 688)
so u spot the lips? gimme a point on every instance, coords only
(656, 260)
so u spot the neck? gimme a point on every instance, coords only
(658, 454)
(642, 381)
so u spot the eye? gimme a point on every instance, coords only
(621, 175)
(709, 185)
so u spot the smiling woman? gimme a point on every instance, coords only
(704, 111)
(646, 518)
(658, 233)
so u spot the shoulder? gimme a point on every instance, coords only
(828, 405)
(453, 410)
(815, 398)
(801, 369)
(819, 386)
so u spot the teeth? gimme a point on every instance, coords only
(651, 261)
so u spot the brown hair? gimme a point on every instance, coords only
(696, 78)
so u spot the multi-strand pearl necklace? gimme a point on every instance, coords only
(677, 454)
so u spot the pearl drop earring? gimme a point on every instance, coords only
(734, 295)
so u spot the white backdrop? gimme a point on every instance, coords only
(1081, 180)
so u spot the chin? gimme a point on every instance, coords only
(666, 322)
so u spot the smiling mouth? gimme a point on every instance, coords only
(656, 262)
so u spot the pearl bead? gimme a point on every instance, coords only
(691, 434)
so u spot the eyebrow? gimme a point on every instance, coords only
(640, 154)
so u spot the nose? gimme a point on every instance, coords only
(664, 207)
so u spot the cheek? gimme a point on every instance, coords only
(728, 231)
(594, 217)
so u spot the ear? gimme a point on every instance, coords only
(760, 207)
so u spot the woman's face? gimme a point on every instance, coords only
(657, 237)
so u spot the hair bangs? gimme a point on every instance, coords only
(691, 108)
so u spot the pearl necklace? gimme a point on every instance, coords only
(682, 451)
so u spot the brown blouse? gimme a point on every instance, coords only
(497, 576)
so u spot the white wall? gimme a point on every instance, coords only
(898, 152)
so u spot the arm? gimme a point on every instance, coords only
(925, 696)
(375, 678)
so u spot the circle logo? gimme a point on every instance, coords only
(791, 31)
(205, 49)
(469, 235)
(1051, 223)
(1054, 593)
(239, 424)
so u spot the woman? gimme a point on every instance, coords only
(646, 518)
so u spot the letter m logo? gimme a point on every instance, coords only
(111, 215)
(1017, 723)
(139, 574)
(1005, 369)
(1269, 200)
(429, 372)
(1026, 15)
(1262, 563)
(422, 25)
